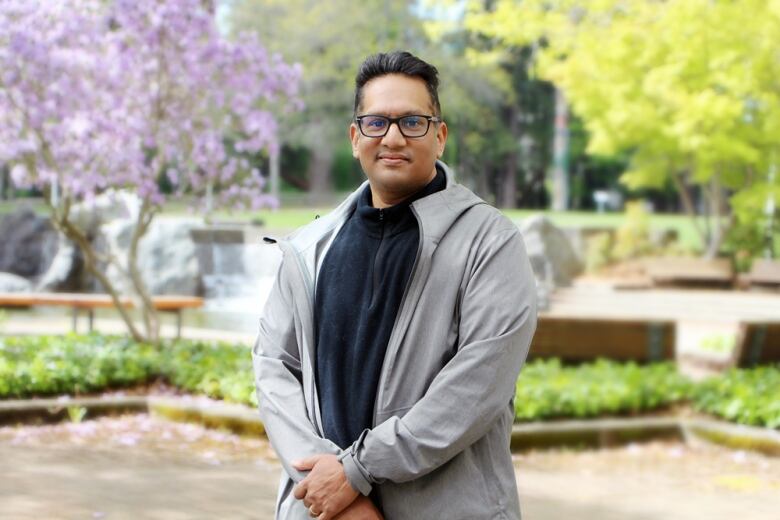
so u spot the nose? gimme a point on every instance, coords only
(394, 137)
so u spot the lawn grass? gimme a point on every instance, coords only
(295, 213)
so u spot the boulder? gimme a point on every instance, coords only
(109, 206)
(65, 271)
(28, 245)
(553, 257)
(167, 256)
(11, 283)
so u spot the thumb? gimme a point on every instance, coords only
(305, 464)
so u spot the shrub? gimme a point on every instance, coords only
(632, 238)
(547, 389)
(218, 370)
(747, 396)
(74, 364)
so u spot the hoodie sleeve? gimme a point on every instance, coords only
(279, 382)
(498, 320)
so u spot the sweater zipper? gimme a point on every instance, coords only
(374, 275)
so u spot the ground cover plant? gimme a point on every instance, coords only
(73, 364)
(78, 364)
(747, 396)
(218, 370)
(547, 389)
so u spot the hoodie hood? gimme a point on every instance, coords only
(435, 214)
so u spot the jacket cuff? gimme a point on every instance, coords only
(355, 475)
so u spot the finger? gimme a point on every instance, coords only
(299, 491)
(305, 464)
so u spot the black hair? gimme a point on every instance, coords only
(398, 62)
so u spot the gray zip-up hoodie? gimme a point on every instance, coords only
(439, 446)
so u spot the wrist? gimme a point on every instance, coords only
(354, 475)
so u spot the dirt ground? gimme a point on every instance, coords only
(141, 467)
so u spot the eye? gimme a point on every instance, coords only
(413, 122)
(375, 123)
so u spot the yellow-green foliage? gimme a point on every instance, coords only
(599, 252)
(686, 86)
(632, 238)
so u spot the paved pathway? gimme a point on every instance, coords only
(147, 468)
(27, 322)
(594, 299)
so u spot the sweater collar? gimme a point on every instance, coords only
(437, 212)
(398, 217)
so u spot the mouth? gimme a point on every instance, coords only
(392, 159)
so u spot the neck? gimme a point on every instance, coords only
(384, 199)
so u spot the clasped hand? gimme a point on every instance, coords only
(325, 491)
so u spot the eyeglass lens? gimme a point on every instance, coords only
(378, 126)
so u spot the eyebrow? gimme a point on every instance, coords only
(401, 114)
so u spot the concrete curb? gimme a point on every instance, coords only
(214, 414)
(738, 436)
(593, 433)
(245, 420)
(40, 411)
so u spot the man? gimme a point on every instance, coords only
(390, 345)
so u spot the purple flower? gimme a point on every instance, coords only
(98, 95)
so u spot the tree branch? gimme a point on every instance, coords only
(150, 316)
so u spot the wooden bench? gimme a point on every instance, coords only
(764, 273)
(89, 302)
(585, 339)
(757, 343)
(717, 272)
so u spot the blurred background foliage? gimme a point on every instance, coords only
(673, 103)
(685, 120)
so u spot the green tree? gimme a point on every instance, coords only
(330, 40)
(687, 87)
(499, 112)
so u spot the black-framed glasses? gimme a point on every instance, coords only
(410, 126)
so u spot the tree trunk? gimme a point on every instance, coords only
(4, 181)
(143, 297)
(560, 179)
(720, 228)
(507, 194)
(274, 174)
(687, 203)
(320, 182)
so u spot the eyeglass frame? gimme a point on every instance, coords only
(396, 121)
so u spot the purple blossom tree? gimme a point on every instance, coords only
(97, 95)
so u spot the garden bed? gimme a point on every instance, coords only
(81, 365)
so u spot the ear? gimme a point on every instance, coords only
(354, 135)
(441, 139)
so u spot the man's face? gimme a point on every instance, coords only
(397, 166)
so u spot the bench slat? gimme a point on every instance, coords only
(93, 301)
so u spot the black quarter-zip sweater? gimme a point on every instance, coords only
(359, 290)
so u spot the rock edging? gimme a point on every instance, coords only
(245, 420)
